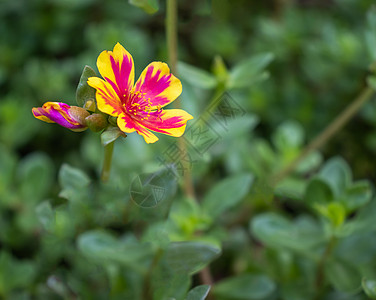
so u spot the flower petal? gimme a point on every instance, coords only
(169, 121)
(128, 125)
(107, 100)
(158, 85)
(117, 68)
(62, 114)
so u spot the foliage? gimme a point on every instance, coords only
(263, 78)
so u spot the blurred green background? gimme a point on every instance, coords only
(291, 66)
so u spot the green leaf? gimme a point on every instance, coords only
(249, 71)
(35, 174)
(289, 134)
(337, 173)
(357, 195)
(45, 214)
(318, 192)
(187, 218)
(226, 194)
(111, 134)
(199, 292)
(149, 6)
(302, 235)
(85, 92)
(246, 287)
(371, 81)
(364, 220)
(220, 70)
(369, 287)
(103, 248)
(8, 162)
(14, 274)
(189, 257)
(74, 183)
(335, 212)
(343, 276)
(196, 76)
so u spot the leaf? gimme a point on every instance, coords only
(74, 183)
(226, 194)
(199, 292)
(246, 287)
(7, 164)
(189, 257)
(371, 81)
(149, 6)
(45, 215)
(289, 134)
(249, 71)
(318, 192)
(196, 76)
(110, 135)
(14, 273)
(369, 287)
(277, 232)
(84, 92)
(337, 173)
(358, 195)
(335, 212)
(35, 175)
(101, 247)
(343, 276)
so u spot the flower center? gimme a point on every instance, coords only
(137, 105)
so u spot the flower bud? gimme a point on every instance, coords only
(71, 117)
(96, 122)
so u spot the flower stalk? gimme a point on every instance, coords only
(106, 169)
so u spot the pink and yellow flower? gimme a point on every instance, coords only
(71, 117)
(138, 106)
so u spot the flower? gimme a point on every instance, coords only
(71, 117)
(138, 107)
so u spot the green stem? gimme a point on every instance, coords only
(327, 134)
(172, 34)
(319, 280)
(147, 292)
(172, 49)
(108, 150)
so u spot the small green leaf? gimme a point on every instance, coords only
(276, 231)
(343, 276)
(226, 194)
(335, 212)
(189, 257)
(369, 287)
(196, 76)
(8, 162)
(110, 135)
(35, 174)
(85, 92)
(102, 247)
(245, 287)
(289, 134)
(74, 183)
(14, 274)
(318, 191)
(249, 71)
(149, 6)
(371, 81)
(337, 173)
(199, 292)
(357, 195)
(45, 215)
